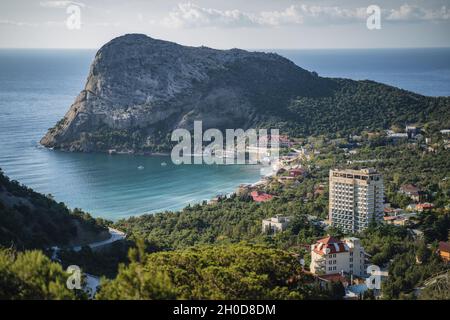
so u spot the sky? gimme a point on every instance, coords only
(248, 24)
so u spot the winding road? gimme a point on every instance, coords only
(92, 281)
(116, 235)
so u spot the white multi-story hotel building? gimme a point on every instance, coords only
(332, 256)
(356, 199)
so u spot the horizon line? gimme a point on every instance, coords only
(242, 48)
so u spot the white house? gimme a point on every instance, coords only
(275, 224)
(331, 256)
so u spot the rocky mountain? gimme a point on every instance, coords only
(139, 89)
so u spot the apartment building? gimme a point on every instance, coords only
(356, 198)
(333, 256)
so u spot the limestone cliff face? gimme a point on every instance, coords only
(139, 89)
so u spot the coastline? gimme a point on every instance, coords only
(256, 177)
(141, 177)
(261, 182)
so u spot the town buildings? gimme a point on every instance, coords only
(412, 131)
(356, 199)
(424, 206)
(276, 140)
(333, 256)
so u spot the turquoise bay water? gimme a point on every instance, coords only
(36, 89)
(38, 86)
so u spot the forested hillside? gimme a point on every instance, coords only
(30, 275)
(213, 272)
(355, 106)
(31, 220)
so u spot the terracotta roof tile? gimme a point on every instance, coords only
(444, 246)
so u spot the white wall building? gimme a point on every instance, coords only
(356, 198)
(332, 256)
(275, 224)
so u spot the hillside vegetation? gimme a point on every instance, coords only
(31, 220)
(30, 275)
(212, 272)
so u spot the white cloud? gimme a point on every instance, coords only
(290, 15)
(190, 15)
(332, 14)
(59, 4)
(412, 13)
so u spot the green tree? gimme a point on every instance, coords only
(31, 275)
(236, 271)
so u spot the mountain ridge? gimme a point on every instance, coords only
(140, 89)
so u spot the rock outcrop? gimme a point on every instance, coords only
(139, 89)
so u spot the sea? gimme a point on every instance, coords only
(37, 86)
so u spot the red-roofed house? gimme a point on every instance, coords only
(424, 206)
(444, 251)
(330, 256)
(389, 219)
(336, 277)
(411, 191)
(296, 172)
(260, 196)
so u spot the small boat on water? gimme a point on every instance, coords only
(163, 164)
(140, 167)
